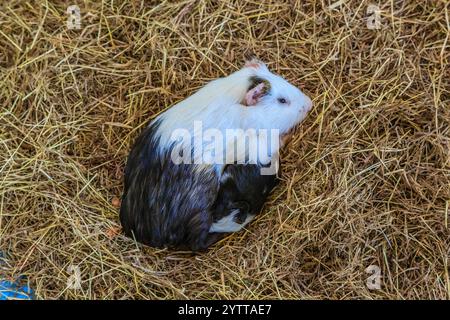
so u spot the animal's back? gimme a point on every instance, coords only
(165, 204)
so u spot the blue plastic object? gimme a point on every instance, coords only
(13, 291)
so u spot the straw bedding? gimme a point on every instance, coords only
(365, 181)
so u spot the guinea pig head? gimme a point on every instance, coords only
(271, 101)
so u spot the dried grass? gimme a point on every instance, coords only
(366, 179)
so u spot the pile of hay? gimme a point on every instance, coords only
(366, 179)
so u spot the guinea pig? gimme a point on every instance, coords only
(188, 182)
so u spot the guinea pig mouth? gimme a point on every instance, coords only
(285, 136)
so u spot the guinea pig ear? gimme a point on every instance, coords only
(253, 95)
(258, 88)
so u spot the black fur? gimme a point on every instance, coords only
(169, 205)
(242, 188)
(163, 204)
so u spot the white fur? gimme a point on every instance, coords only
(218, 106)
(227, 223)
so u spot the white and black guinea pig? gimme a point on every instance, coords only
(188, 181)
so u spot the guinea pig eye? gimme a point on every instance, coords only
(282, 100)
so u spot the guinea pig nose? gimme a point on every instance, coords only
(308, 104)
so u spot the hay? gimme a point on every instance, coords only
(366, 178)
